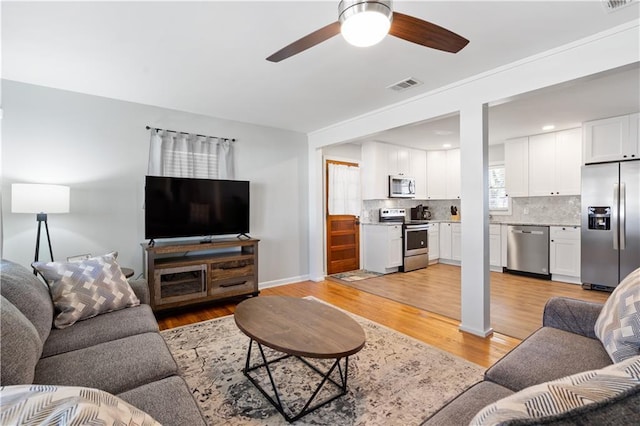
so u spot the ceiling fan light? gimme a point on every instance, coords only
(364, 23)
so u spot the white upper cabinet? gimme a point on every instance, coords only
(443, 175)
(436, 175)
(398, 162)
(379, 160)
(373, 171)
(568, 161)
(453, 174)
(611, 139)
(418, 167)
(554, 163)
(516, 166)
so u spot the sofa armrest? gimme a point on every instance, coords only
(141, 289)
(575, 316)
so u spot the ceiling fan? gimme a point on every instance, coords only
(366, 22)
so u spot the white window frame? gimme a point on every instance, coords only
(506, 211)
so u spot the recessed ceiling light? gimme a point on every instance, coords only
(446, 145)
(548, 127)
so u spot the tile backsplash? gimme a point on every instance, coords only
(559, 209)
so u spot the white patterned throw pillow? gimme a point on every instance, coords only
(34, 405)
(618, 325)
(84, 289)
(551, 399)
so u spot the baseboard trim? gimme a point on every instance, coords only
(566, 279)
(284, 281)
(481, 333)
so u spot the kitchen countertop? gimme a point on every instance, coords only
(568, 225)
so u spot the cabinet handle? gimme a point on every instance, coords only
(552, 241)
(232, 284)
(557, 193)
(624, 156)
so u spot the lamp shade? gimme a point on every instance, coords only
(39, 198)
(364, 23)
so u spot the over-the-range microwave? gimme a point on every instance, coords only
(402, 187)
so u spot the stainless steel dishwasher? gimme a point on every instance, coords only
(528, 250)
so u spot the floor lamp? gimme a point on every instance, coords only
(40, 199)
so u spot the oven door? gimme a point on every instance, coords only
(415, 240)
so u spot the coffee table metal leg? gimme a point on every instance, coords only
(277, 403)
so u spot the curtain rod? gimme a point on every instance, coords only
(187, 133)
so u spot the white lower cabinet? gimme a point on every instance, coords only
(456, 241)
(445, 240)
(433, 235)
(382, 248)
(495, 244)
(564, 253)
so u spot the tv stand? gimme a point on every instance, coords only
(190, 272)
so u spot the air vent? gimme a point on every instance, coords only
(613, 5)
(405, 84)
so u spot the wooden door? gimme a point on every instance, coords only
(343, 234)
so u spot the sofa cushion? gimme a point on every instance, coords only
(84, 289)
(465, 406)
(557, 399)
(161, 398)
(547, 354)
(27, 293)
(618, 326)
(21, 346)
(48, 405)
(103, 328)
(114, 366)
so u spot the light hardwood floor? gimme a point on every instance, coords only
(517, 302)
(434, 329)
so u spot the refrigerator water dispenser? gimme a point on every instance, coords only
(599, 218)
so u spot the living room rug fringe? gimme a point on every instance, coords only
(394, 380)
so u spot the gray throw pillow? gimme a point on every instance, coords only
(82, 290)
(618, 325)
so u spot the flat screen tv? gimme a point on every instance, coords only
(186, 207)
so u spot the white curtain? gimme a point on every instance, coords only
(344, 189)
(188, 155)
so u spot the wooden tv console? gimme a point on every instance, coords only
(190, 272)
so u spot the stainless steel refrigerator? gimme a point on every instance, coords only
(610, 232)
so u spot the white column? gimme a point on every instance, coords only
(316, 216)
(474, 212)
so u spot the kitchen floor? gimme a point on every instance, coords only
(517, 302)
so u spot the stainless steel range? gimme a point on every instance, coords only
(415, 244)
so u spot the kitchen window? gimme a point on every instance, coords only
(498, 200)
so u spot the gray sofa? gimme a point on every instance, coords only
(566, 344)
(120, 352)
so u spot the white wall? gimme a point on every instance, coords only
(99, 147)
(347, 151)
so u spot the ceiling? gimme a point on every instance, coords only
(209, 58)
(566, 106)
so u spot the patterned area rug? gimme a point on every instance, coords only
(393, 380)
(359, 275)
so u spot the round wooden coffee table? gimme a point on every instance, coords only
(304, 329)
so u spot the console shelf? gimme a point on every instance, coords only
(186, 273)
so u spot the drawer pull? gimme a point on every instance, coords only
(233, 284)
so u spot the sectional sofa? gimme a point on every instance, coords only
(120, 352)
(549, 367)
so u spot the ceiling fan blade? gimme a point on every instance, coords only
(425, 33)
(306, 42)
